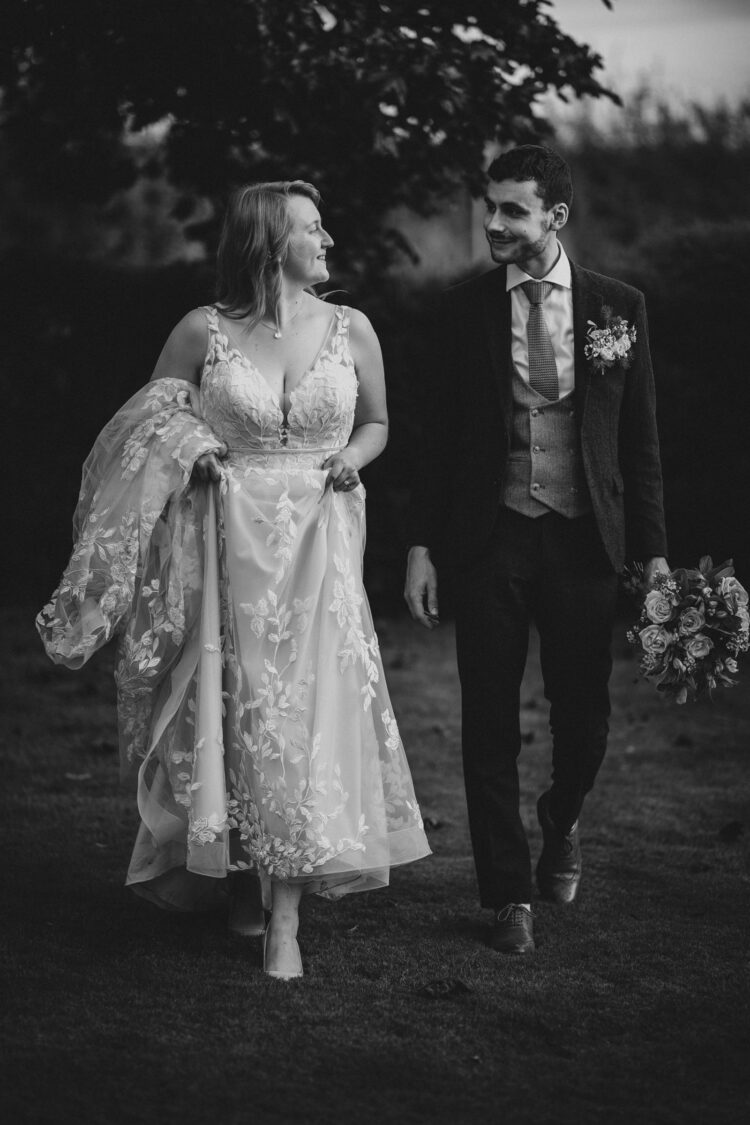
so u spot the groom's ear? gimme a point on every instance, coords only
(560, 214)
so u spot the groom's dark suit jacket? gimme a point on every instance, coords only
(467, 406)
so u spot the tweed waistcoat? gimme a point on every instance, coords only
(544, 470)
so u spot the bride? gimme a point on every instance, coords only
(219, 535)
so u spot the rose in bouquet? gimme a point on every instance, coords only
(692, 627)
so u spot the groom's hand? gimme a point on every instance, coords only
(420, 590)
(653, 567)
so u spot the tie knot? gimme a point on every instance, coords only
(536, 291)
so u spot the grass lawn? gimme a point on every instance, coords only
(634, 1008)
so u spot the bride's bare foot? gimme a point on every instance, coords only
(281, 955)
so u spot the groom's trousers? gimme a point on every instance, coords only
(555, 572)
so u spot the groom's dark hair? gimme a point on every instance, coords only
(554, 183)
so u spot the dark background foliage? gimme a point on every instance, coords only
(376, 103)
(377, 117)
(662, 201)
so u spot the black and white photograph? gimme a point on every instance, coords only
(376, 663)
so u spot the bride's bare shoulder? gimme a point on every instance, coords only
(184, 352)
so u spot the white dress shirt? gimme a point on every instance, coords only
(558, 316)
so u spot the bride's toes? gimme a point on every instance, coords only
(281, 956)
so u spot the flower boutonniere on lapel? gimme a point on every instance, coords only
(611, 344)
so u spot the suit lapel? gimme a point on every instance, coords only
(587, 305)
(496, 314)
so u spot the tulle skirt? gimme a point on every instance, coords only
(274, 747)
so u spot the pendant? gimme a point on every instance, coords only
(277, 335)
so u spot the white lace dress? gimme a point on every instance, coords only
(250, 687)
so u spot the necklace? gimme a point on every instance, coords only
(276, 328)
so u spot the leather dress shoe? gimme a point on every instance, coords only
(513, 931)
(558, 873)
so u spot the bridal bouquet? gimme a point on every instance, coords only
(692, 627)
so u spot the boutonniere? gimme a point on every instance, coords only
(611, 344)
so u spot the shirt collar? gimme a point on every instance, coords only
(558, 275)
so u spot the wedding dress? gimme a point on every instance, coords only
(251, 695)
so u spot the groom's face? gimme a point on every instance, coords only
(518, 226)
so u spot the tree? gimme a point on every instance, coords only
(378, 102)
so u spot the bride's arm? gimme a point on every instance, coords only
(182, 357)
(370, 433)
(185, 350)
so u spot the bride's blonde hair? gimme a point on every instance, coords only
(253, 248)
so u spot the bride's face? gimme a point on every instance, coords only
(308, 242)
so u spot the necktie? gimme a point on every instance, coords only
(542, 366)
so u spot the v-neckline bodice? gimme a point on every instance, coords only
(246, 412)
(232, 349)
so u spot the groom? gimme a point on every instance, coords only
(539, 479)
